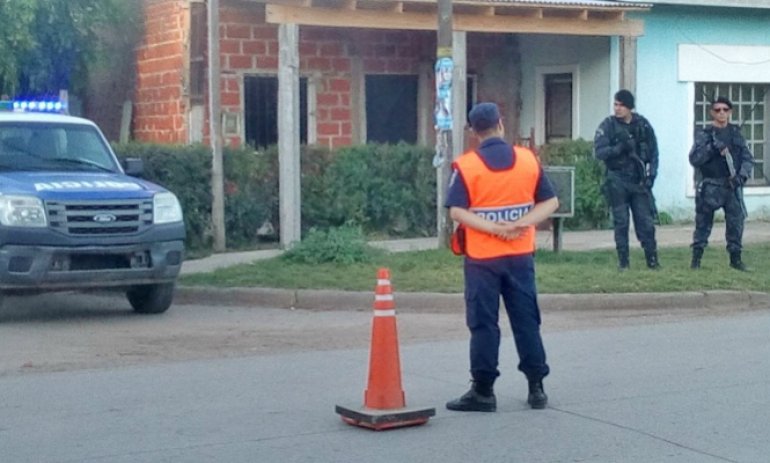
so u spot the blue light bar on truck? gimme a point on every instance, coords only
(39, 106)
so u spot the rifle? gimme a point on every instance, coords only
(645, 174)
(733, 179)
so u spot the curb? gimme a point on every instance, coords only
(311, 299)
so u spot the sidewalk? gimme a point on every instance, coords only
(667, 236)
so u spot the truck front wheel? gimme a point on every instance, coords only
(151, 298)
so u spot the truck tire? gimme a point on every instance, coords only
(151, 298)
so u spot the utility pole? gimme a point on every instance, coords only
(443, 118)
(215, 132)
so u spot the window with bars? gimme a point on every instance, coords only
(750, 103)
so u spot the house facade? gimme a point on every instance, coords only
(366, 67)
(340, 72)
(692, 50)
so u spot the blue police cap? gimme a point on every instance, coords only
(484, 116)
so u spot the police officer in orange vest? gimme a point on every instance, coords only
(498, 194)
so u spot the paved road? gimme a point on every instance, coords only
(627, 386)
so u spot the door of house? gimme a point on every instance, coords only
(558, 107)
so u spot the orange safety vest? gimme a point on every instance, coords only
(499, 196)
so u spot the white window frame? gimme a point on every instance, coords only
(707, 63)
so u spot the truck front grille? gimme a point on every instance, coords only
(103, 218)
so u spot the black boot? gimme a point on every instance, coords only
(537, 398)
(697, 253)
(652, 259)
(622, 260)
(480, 398)
(735, 261)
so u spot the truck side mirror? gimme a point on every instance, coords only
(133, 167)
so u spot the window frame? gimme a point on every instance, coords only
(744, 114)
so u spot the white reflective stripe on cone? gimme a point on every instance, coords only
(384, 313)
(383, 297)
(381, 282)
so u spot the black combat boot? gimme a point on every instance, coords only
(480, 398)
(537, 398)
(622, 261)
(697, 253)
(735, 261)
(652, 259)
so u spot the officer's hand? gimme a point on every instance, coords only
(649, 182)
(508, 230)
(622, 136)
(718, 146)
(740, 180)
(623, 147)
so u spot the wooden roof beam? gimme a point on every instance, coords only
(413, 20)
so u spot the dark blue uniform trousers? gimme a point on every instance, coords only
(513, 278)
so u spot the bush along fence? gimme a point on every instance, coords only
(387, 191)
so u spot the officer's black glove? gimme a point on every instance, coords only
(623, 143)
(718, 145)
(649, 182)
(740, 180)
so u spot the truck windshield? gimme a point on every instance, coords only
(53, 147)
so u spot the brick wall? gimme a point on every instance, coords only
(249, 46)
(159, 104)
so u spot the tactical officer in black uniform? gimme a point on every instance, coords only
(626, 143)
(719, 184)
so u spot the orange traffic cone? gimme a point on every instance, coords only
(384, 402)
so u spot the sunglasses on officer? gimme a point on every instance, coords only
(721, 109)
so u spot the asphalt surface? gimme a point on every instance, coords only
(667, 236)
(688, 391)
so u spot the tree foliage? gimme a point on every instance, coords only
(47, 45)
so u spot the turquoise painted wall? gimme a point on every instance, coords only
(664, 100)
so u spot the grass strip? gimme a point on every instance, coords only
(570, 272)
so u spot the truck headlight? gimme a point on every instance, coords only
(22, 211)
(166, 208)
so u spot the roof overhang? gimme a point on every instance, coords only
(761, 4)
(565, 17)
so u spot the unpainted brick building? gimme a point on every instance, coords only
(366, 66)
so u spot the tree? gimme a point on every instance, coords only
(48, 45)
(16, 18)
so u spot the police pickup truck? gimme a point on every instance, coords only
(73, 218)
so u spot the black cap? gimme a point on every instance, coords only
(625, 98)
(484, 116)
(722, 99)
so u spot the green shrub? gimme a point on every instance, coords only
(341, 245)
(389, 190)
(591, 209)
(251, 187)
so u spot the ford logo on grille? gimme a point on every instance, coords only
(104, 218)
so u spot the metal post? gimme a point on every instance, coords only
(215, 132)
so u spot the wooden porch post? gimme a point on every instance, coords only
(288, 135)
(628, 63)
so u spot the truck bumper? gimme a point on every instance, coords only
(50, 268)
